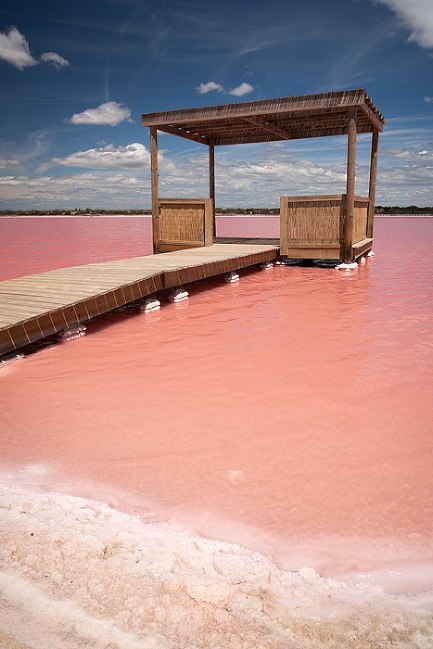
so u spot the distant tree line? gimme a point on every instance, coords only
(379, 209)
(86, 212)
(247, 210)
(411, 209)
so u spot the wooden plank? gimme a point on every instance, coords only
(7, 341)
(47, 326)
(171, 246)
(33, 330)
(17, 337)
(314, 252)
(58, 320)
(185, 201)
(361, 247)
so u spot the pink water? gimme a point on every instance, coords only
(290, 413)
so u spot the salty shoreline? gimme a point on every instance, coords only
(149, 585)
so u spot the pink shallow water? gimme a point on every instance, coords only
(294, 404)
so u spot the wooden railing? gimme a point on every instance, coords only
(314, 226)
(185, 223)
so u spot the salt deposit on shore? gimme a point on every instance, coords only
(79, 573)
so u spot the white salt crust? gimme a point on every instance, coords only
(77, 574)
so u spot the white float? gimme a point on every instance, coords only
(71, 333)
(351, 266)
(231, 277)
(178, 294)
(150, 304)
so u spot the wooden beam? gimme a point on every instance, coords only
(350, 185)
(295, 135)
(181, 132)
(372, 117)
(266, 125)
(154, 186)
(372, 186)
(212, 182)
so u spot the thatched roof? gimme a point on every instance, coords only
(287, 118)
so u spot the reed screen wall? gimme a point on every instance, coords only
(315, 220)
(314, 226)
(360, 219)
(185, 223)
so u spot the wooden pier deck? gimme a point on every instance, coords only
(40, 305)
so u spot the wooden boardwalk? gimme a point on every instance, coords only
(40, 305)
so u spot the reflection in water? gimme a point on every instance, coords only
(289, 412)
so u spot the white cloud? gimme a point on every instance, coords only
(8, 162)
(110, 113)
(14, 49)
(207, 87)
(416, 15)
(54, 59)
(239, 91)
(429, 100)
(132, 156)
(77, 189)
(238, 182)
(243, 89)
(419, 157)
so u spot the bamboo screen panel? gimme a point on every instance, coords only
(182, 221)
(360, 219)
(315, 220)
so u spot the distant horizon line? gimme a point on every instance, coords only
(379, 210)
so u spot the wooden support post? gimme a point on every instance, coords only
(372, 187)
(350, 186)
(154, 187)
(209, 221)
(284, 225)
(212, 180)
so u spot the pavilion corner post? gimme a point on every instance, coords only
(372, 187)
(154, 187)
(212, 180)
(350, 186)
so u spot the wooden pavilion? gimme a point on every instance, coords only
(328, 227)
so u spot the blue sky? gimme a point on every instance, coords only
(77, 76)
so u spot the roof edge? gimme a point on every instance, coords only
(307, 103)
